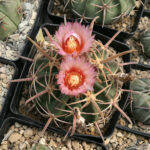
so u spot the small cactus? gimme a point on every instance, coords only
(10, 17)
(107, 10)
(145, 40)
(141, 100)
(76, 80)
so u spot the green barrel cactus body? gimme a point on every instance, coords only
(145, 40)
(107, 10)
(141, 100)
(50, 102)
(10, 17)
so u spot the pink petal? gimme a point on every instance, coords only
(86, 68)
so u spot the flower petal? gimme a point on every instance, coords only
(83, 37)
(76, 81)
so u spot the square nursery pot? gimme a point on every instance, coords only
(14, 107)
(123, 36)
(141, 67)
(10, 91)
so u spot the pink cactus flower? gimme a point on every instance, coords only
(76, 76)
(73, 39)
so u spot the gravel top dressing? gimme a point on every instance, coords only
(14, 44)
(6, 73)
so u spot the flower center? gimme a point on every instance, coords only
(72, 45)
(74, 78)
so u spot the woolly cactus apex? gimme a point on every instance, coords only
(107, 10)
(145, 40)
(141, 100)
(10, 17)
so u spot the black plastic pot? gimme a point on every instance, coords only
(123, 36)
(146, 13)
(11, 89)
(141, 67)
(143, 134)
(118, 46)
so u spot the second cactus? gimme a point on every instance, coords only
(107, 10)
(141, 100)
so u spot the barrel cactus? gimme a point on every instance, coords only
(141, 100)
(10, 17)
(75, 79)
(107, 10)
(145, 40)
